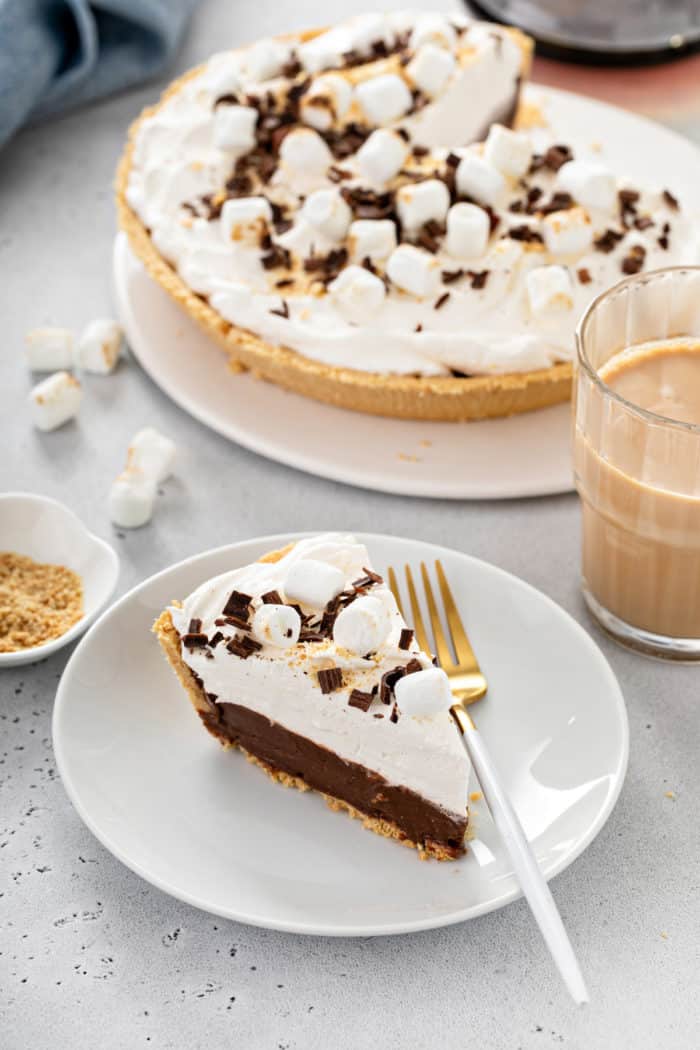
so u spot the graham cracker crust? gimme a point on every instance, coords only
(440, 398)
(169, 639)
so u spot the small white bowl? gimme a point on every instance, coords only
(46, 531)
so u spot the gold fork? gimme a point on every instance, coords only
(468, 684)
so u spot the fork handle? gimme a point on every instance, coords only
(532, 882)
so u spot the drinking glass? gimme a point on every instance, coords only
(638, 472)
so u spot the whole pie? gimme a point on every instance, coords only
(360, 215)
(304, 662)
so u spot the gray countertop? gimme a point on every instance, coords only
(91, 956)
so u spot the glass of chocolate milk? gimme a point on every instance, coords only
(637, 460)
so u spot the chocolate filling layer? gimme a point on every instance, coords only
(325, 771)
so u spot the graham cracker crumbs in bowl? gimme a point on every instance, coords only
(38, 601)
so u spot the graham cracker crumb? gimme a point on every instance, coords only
(475, 796)
(38, 601)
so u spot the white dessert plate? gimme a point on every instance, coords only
(45, 530)
(210, 829)
(526, 455)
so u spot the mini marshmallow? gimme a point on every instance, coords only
(384, 98)
(549, 289)
(328, 99)
(48, 349)
(313, 583)
(304, 150)
(266, 59)
(242, 218)
(424, 693)
(328, 213)
(131, 499)
(468, 231)
(567, 232)
(373, 239)
(55, 400)
(421, 202)
(432, 29)
(414, 270)
(509, 151)
(590, 184)
(99, 347)
(431, 68)
(357, 293)
(151, 453)
(382, 155)
(234, 128)
(277, 625)
(362, 626)
(478, 179)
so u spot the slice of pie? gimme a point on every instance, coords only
(304, 662)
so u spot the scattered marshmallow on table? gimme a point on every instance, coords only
(55, 400)
(430, 69)
(478, 179)
(382, 155)
(327, 99)
(423, 693)
(305, 151)
(373, 239)
(567, 232)
(234, 127)
(152, 453)
(328, 213)
(421, 202)
(549, 289)
(362, 626)
(414, 270)
(432, 29)
(132, 499)
(49, 349)
(590, 184)
(357, 293)
(313, 582)
(509, 151)
(384, 98)
(242, 217)
(99, 347)
(468, 230)
(278, 625)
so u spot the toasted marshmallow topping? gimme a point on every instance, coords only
(364, 155)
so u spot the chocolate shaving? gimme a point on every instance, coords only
(195, 625)
(418, 328)
(368, 580)
(378, 715)
(271, 598)
(330, 679)
(367, 204)
(388, 682)
(276, 257)
(478, 278)
(195, 640)
(413, 665)
(633, 262)
(441, 301)
(359, 699)
(662, 241)
(394, 716)
(237, 604)
(643, 222)
(292, 67)
(405, 638)
(557, 202)
(283, 311)
(670, 200)
(524, 233)
(608, 241)
(347, 141)
(238, 621)
(215, 639)
(584, 275)
(243, 647)
(450, 276)
(229, 99)
(336, 174)
(556, 156)
(419, 151)
(327, 266)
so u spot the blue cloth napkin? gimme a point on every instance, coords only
(57, 54)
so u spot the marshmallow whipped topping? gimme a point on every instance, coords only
(329, 195)
(314, 643)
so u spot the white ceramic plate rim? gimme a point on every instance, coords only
(40, 652)
(274, 542)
